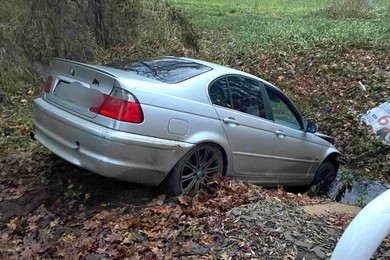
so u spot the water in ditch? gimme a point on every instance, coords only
(358, 191)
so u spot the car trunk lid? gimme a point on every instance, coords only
(79, 87)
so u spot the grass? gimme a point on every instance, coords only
(263, 24)
(18, 91)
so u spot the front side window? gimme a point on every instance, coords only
(246, 96)
(283, 115)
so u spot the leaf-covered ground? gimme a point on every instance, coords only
(50, 209)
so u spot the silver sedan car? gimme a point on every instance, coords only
(176, 122)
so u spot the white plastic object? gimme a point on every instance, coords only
(366, 232)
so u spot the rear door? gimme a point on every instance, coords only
(240, 106)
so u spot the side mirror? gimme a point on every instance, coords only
(311, 127)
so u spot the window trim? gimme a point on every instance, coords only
(208, 91)
(262, 92)
(268, 110)
(289, 104)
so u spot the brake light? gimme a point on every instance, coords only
(47, 85)
(121, 105)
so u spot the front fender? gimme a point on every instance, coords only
(331, 153)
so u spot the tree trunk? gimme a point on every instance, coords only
(101, 32)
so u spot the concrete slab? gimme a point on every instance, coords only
(333, 207)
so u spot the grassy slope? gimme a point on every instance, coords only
(318, 60)
(264, 23)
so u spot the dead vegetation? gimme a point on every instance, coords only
(32, 32)
(83, 29)
(348, 8)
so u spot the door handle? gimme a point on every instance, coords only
(230, 120)
(280, 133)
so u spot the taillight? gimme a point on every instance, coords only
(47, 85)
(122, 106)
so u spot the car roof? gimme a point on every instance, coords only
(216, 71)
(223, 70)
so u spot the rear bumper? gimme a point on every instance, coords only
(111, 153)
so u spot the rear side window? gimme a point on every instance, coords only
(167, 70)
(246, 96)
(219, 93)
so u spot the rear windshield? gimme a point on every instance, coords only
(168, 70)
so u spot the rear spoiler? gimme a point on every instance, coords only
(86, 65)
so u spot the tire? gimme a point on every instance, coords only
(323, 177)
(194, 170)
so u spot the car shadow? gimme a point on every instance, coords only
(63, 189)
(91, 190)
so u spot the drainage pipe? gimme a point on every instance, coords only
(366, 232)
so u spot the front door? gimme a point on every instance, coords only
(294, 151)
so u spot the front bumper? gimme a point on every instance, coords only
(107, 152)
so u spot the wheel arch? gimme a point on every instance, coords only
(223, 152)
(219, 139)
(174, 190)
(333, 157)
(225, 156)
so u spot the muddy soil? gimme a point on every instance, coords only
(30, 180)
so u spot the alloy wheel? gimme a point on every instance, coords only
(204, 162)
